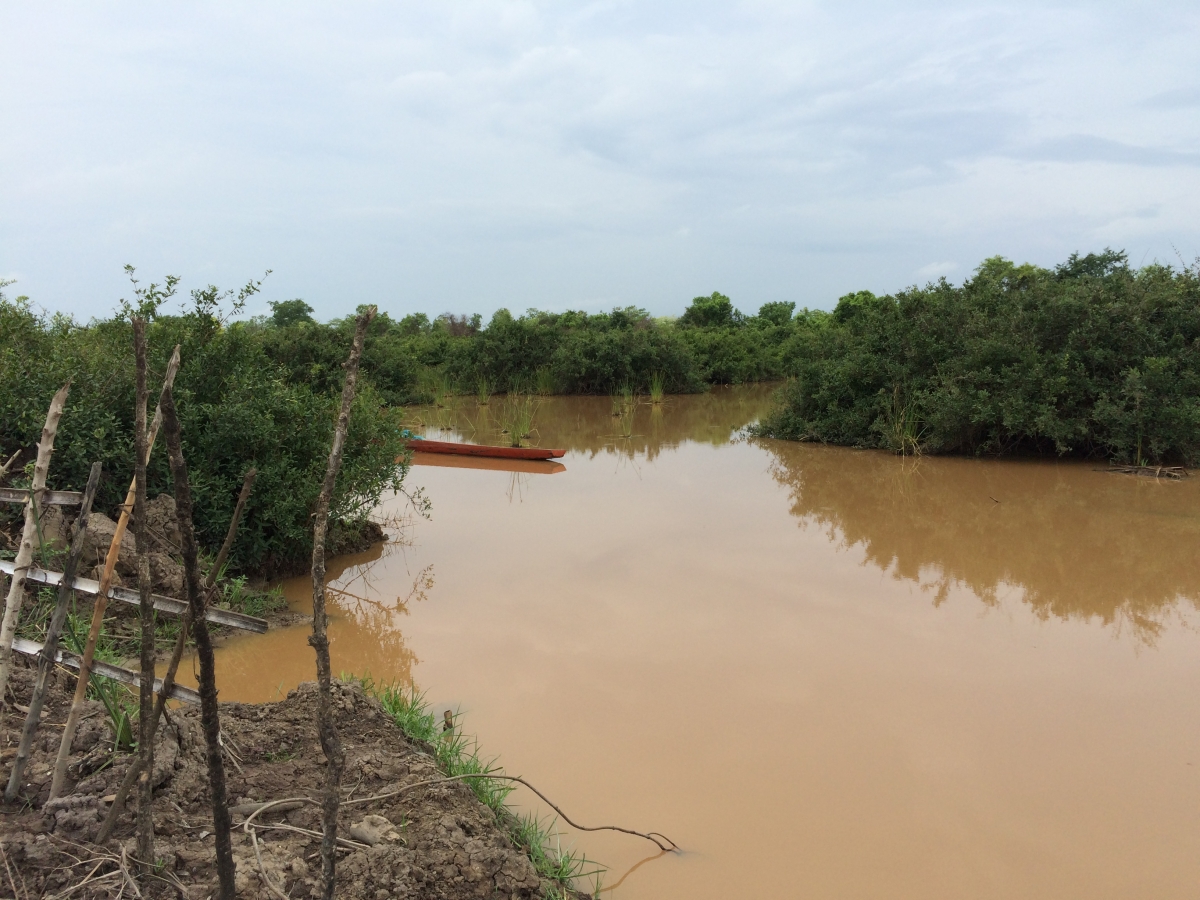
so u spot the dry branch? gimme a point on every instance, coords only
(12, 606)
(50, 647)
(209, 714)
(326, 728)
(110, 564)
(1173, 472)
(652, 836)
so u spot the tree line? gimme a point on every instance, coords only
(1091, 358)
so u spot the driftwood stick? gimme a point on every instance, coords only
(209, 713)
(145, 814)
(50, 646)
(110, 565)
(168, 680)
(16, 589)
(319, 640)
(652, 836)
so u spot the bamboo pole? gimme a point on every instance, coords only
(168, 679)
(331, 743)
(110, 564)
(50, 648)
(210, 716)
(12, 606)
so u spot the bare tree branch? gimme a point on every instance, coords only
(326, 728)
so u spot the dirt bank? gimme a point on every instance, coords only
(434, 841)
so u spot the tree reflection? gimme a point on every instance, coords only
(1076, 543)
(587, 425)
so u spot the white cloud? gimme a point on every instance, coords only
(481, 154)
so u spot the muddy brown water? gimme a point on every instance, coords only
(824, 672)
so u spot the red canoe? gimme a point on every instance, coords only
(424, 446)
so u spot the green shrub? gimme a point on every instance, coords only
(1091, 358)
(238, 408)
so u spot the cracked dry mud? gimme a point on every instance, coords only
(436, 841)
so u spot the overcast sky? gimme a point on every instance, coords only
(462, 156)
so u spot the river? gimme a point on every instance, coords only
(823, 672)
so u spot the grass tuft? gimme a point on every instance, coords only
(517, 417)
(544, 382)
(657, 388)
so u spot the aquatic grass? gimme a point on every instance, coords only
(544, 382)
(483, 391)
(517, 417)
(435, 385)
(457, 754)
(236, 595)
(657, 388)
(901, 428)
(617, 404)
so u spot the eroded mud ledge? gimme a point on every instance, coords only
(445, 843)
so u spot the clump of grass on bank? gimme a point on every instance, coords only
(456, 754)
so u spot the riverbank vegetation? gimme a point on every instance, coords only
(1091, 358)
(239, 408)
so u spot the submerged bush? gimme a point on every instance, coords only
(1091, 358)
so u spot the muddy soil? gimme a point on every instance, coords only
(434, 841)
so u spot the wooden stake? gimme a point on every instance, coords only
(145, 814)
(50, 648)
(168, 679)
(110, 565)
(319, 640)
(209, 713)
(16, 590)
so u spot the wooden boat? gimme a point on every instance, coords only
(489, 463)
(423, 446)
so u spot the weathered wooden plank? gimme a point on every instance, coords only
(128, 595)
(49, 498)
(33, 648)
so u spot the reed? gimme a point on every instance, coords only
(483, 392)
